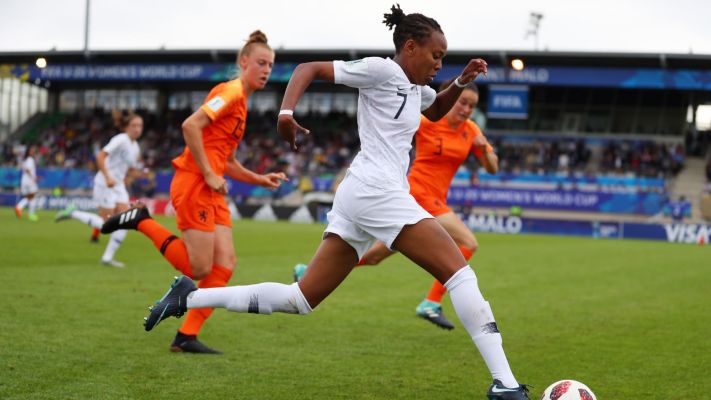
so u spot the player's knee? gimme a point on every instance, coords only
(372, 260)
(470, 244)
(201, 268)
(230, 262)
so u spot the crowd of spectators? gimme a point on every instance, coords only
(77, 138)
(553, 156)
(643, 158)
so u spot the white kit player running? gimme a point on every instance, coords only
(373, 202)
(28, 185)
(114, 161)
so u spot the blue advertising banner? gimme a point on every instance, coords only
(570, 200)
(49, 178)
(614, 182)
(673, 233)
(638, 78)
(635, 78)
(216, 72)
(507, 101)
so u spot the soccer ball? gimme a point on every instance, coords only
(568, 390)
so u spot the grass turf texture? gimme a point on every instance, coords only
(628, 318)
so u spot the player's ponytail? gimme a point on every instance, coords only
(409, 26)
(256, 38)
(395, 17)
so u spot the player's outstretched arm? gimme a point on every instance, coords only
(302, 77)
(485, 154)
(446, 98)
(235, 170)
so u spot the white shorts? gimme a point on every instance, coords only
(28, 186)
(362, 214)
(106, 197)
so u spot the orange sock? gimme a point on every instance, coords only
(438, 290)
(169, 245)
(197, 316)
(466, 252)
(95, 233)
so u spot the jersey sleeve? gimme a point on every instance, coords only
(428, 96)
(115, 142)
(218, 102)
(364, 73)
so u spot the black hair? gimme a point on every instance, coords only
(411, 26)
(471, 86)
(28, 148)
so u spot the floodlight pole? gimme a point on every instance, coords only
(86, 30)
(534, 25)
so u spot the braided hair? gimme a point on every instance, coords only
(411, 26)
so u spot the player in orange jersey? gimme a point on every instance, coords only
(441, 147)
(212, 133)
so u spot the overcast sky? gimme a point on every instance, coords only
(670, 26)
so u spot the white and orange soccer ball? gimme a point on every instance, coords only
(568, 390)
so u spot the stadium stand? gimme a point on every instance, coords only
(587, 124)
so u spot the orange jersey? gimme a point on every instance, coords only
(226, 106)
(439, 151)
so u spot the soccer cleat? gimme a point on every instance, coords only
(65, 214)
(299, 271)
(190, 344)
(432, 312)
(128, 219)
(18, 212)
(497, 391)
(113, 263)
(173, 304)
(33, 217)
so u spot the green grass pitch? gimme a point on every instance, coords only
(628, 318)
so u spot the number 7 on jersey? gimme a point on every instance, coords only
(404, 100)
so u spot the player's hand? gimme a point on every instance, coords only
(472, 70)
(110, 182)
(273, 180)
(288, 128)
(480, 142)
(216, 182)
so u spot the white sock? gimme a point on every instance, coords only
(33, 205)
(476, 316)
(262, 298)
(23, 203)
(90, 219)
(115, 241)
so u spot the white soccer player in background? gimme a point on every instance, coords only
(28, 185)
(114, 161)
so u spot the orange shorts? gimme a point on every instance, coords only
(431, 204)
(196, 205)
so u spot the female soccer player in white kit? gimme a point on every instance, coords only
(28, 184)
(114, 161)
(373, 202)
